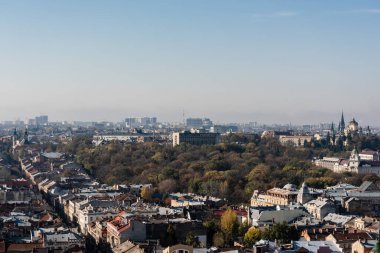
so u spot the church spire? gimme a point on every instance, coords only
(342, 124)
(26, 136)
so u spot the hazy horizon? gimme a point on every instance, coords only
(232, 61)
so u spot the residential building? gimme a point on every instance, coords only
(296, 140)
(355, 164)
(345, 240)
(369, 155)
(93, 210)
(283, 196)
(132, 122)
(194, 122)
(264, 216)
(42, 120)
(363, 246)
(62, 240)
(327, 162)
(124, 228)
(320, 207)
(195, 138)
(316, 247)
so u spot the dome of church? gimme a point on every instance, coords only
(290, 187)
(353, 122)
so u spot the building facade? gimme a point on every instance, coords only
(195, 138)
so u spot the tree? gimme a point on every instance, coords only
(229, 225)
(146, 193)
(252, 236)
(192, 240)
(211, 228)
(328, 138)
(243, 228)
(281, 232)
(376, 249)
(170, 235)
(167, 186)
(218, 240)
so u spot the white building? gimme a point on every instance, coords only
(94, 210)
(319, 208)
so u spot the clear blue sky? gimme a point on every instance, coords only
(299, 61)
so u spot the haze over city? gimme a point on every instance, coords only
(233, 61)
(198, 126)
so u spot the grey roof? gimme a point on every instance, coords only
(338, 219)
(365, 186)
(62, 237)
(313, 246)
(52, 155)
(279, 216)
(319, 203)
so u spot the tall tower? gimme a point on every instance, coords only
(26, 136)
(332, 133)
(14, 137)
(332, 129)
(354, 161)
(304, 194)
(342, 124)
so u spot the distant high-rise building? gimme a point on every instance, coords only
(198, 123)
(194, 122)
(140, 121)
(32, 122)
(207, 123)
(42, 120)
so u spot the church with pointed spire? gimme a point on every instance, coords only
(341, 132)
(342, 124)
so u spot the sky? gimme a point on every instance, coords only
(269, 61)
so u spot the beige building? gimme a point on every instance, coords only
(296, 140)
(320, 207)
(346, 240)
(363, 246)
(276, 196)
(327, 162)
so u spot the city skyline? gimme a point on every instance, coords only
(271, 62)
(336, 121)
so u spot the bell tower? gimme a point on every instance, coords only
(354, 160)
(14, 137)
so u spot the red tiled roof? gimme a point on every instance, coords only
(368, 152)
(352, 236)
